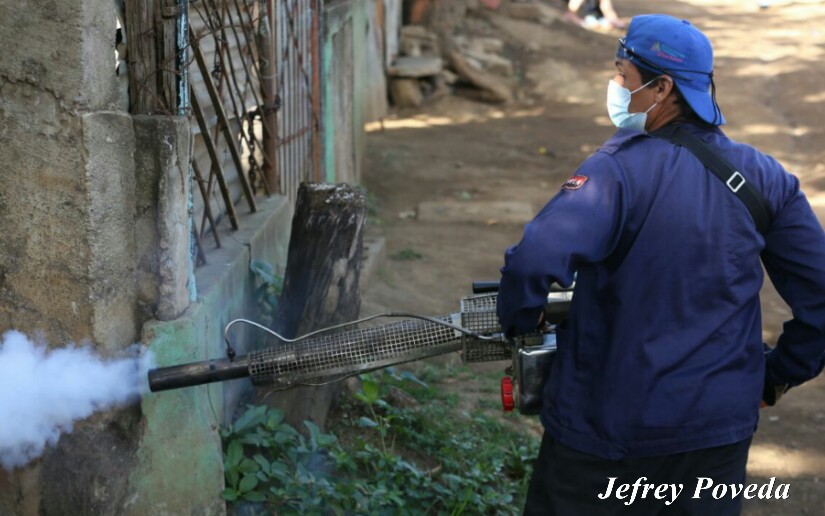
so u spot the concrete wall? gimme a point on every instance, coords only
(162, 157)
(61, 147)
(66, 267)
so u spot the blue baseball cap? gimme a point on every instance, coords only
(667, 45)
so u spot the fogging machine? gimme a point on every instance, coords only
(344, 350)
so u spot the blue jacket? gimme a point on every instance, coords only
(662, 351)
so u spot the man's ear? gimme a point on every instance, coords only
(664, 87)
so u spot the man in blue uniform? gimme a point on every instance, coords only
(660, 368)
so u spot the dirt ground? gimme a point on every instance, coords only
(771, 87)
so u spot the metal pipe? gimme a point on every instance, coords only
(269, 92)
(198, 373)
(182, 64)
(182, 69)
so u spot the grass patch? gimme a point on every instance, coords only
(407, 254)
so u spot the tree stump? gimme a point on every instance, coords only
(321, 282)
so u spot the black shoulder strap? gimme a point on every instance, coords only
(721, 168)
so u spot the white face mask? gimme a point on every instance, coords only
(618, 104)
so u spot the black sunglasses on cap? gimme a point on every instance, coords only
(623, 52)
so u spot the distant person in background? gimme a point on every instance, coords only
(598, 14)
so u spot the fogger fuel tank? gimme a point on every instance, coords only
(532, 360)
(344, 350)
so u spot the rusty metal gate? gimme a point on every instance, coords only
(298, 87)
(255, 94)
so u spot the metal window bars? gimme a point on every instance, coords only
(263, 115)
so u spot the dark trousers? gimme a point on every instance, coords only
(567, 482)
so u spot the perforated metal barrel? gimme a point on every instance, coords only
(351, 351)
(478, 314)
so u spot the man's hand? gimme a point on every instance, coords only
(771, 394)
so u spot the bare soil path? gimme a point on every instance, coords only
(770, 73)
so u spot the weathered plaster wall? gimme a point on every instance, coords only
(162, 157)
(52, 73)
(108, 146)
(67, 245)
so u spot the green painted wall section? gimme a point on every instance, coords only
(328, 134)
(360, 18)
(180, 468)
(180, 457)
(356, 12)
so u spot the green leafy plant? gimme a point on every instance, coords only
(421, 458)
(267, 460)
(369, 396)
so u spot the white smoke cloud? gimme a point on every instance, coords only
(43, 392)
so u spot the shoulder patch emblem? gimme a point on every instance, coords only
(574, 182)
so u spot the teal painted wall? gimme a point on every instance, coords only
(328, 134)
(180, 469)
(355, 14)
